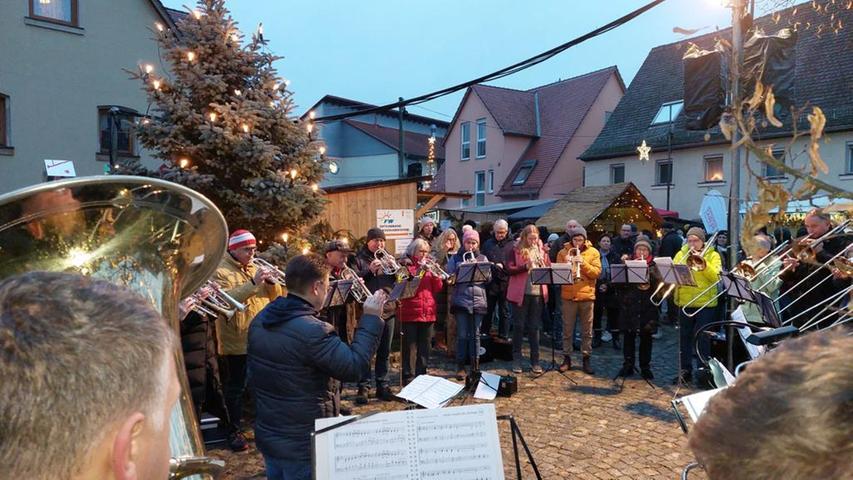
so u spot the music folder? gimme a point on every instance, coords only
(556, 274)
(674, 273)
(405, 288)
(632, 271)
(474, 272)
(337, 294)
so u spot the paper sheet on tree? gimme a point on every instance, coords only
(457, 443)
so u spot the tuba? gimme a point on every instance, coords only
(159, 239)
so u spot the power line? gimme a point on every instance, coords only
(514, 68)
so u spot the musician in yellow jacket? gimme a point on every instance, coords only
(254, 288)
(579, 297)
(689, 300)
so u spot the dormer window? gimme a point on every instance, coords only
(524, 172)
(668, 112)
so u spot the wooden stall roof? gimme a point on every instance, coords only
(586, 204)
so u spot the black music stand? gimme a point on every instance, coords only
(337, 294)
(474, 272)
(632, 272)
(556, 274)
(405, 288)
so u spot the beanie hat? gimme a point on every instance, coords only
(697, 232)
(470, 234)
(240, 239)
(425, 221)
(552, 237)
(643, 242)
(574, 232)
(375, 233)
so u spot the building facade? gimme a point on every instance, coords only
(701, 160)
(61, 70)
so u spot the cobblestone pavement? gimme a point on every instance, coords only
(588, 430)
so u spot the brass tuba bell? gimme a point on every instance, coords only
(160, 239)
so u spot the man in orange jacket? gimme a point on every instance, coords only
(579, 297)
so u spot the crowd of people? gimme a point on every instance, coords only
(293, 351)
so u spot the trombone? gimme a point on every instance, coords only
(359, 290)
(696, 260)
(666, 293)
(803, 249)
(277, 275)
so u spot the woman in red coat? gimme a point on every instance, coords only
(418, 312)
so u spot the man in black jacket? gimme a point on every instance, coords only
(624, 243)
(670, 244)
(370, 270)
(498, 249)
(294, 359)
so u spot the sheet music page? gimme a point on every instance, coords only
(458, 443)
(754, 351)
(429, 391)
(666, 269)
(487, 389)
(696, 403)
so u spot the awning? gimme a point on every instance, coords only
(667, 213)
(532, 213)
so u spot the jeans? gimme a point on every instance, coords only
(287, 469)
(467, 327)
(571, 311)
(687, 331)
(382, 362)
(497, 305)
(529, 314)
(628, 347)
(417, 335)
(234, 386)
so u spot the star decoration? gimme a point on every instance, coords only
(644, 151)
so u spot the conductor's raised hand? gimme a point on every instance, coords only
(373, 304)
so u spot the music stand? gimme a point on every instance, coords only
(474, 272)
(556, 274)
(679, 275)
(337, 294)
(405, 288)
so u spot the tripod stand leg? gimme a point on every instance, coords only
(515, 448)
(517, 431)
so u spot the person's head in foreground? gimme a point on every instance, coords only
(790, 415)
(88, 381)
(307, 277)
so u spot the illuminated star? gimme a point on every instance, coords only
(644, 151)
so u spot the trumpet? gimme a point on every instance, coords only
(277, 275)
(389, 264)
(359, 289)
(469, 257)
(576, 264)
(428, 264)
(696, 260)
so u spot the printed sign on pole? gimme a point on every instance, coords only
(396, 224)
(713, 211)
(59, 168)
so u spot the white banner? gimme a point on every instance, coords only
(713, 212)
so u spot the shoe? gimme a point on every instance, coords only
(537, 369)
(361, 396)
(346, 411)
(460, 372)
(685, 377)
(237, 442)
(516, 367)
(567, 364)
(616, 343)
(587, 368)
(605, 336)
(646, 373)
(626, 371)
(384, 393)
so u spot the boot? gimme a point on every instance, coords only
(361, 396)
(460, 371)
(626, 371)
(384, 393)
(587, 368)
(646, 373)
(567, 363)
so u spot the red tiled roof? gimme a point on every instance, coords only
(513, 110)
(416, 144)
(562, 107)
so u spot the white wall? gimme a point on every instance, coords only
(689, 168)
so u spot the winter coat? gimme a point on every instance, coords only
(622, 246)
(198, 342)
(519, 269)
(294, 359)
(498, 251)
(608, 296)
(582, 290)
(421, 307)
(236, 280)
(768, 278)
(686, 296)
(361, 264)
(467, 297)
(670, 244)
(636, 310)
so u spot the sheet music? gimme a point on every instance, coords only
(429, 391)
(487, 388)
(666, 269)
(458, 443)
(754, 351)
(696, 403)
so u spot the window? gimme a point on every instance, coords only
(848, 165)
(617, 173)
(663, 172)
(464, 202)
(466, 140)
(125, 122)
(481, 138)
(61, 11)
(491, 181)
(771, 171)
(4, 121)
(524, 172)
(668, 112)
(479, 188)
(714, 169)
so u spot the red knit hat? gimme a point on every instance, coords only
(240, 239)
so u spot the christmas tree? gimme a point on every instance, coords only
(222, 123)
